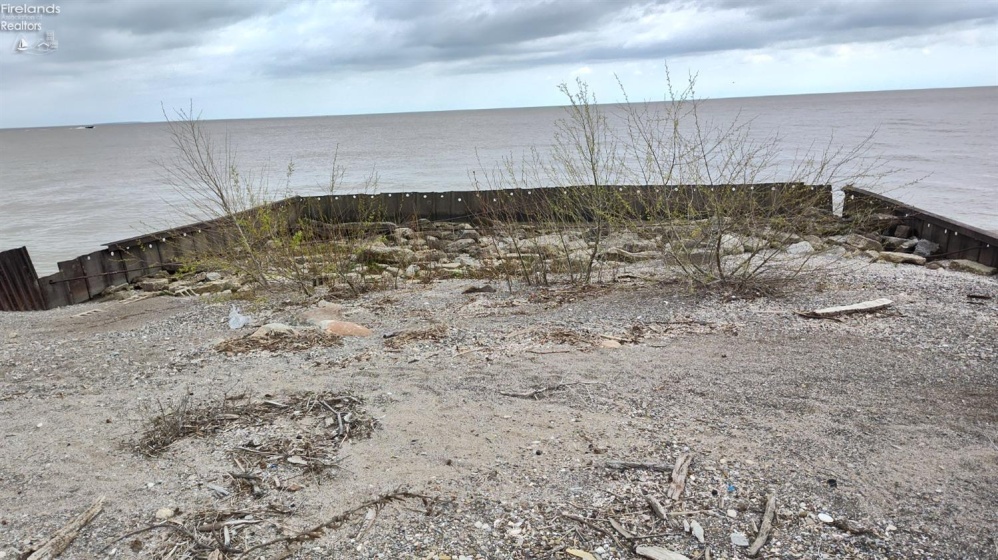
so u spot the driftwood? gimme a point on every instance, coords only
(863, 307)
(625, 465)
(539, 392)
(656, 506)
(767, 526)
(63, 537)
(679, 476)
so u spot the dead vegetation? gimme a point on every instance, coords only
(342, 415)
(398, 340)
(298, 340)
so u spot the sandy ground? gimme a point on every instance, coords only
(886, 423)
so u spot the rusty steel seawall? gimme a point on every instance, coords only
(19, 282)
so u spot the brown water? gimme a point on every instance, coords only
(67, 191)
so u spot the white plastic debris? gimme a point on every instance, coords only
(236, 319)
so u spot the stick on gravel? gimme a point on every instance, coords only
(767, 526)
(62, 539)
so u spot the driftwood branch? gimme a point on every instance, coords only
(539, 392)
(679, 476)
(63, 537)
(625, 465)
(863, 307)
(767, 526)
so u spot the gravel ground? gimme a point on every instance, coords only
(502, 414)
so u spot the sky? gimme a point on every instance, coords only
(124, 60)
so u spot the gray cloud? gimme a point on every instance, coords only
(484, 36)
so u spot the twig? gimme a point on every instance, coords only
(63, 537)
(535, 394)
(767, 526)
(542, 352)
(338, 520)
(624, 465)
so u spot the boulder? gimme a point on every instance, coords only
(925, 248)
(902, 258)
(554, 244)
(431, 255)
(857, 241)
(154, 284)
(800, 248)
(973, 267)
(462, 246)
(382, 254)
(731, 244)
(344, 328)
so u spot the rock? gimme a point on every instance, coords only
(486, 289)
(902, 258)
(620, 255)
(154, 284)
(974, 267)
(739, 539)
(210, 287)
(835, 252)
(345, 328)
(857, 241)
(469, 234)
(431, 255)
(800, 248)
(732, 513)
(434, 242)
(609, 344)
(329, 312)
(554, 244)
(659, 553)
(271, 329)
(731, 244)
(697, 530)
(212, 276)
(892, 243)
(164, 513)
(383, 254)
(902, 231)
(467, 261)
(629, 242)
(411, 270)
(825, 518)
(461, 246)
(925, 248)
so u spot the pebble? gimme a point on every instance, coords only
(164, 513)
(739, 539)
(732, 513)
(825, 518)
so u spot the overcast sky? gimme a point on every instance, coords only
(118, 60)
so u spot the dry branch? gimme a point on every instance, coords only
(767, 526)
(63, 537)
(625, 465)
(862, 307)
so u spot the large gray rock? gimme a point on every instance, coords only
(800, 248)
(974, 267)
(925, 248)
(629, 242)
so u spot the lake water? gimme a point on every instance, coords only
(67, 191)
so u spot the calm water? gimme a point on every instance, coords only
(67, 191)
